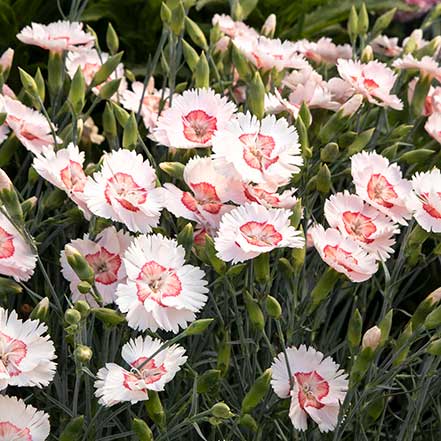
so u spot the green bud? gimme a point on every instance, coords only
(77, 91)
(303, 137)
(109, 122)
(363, 20)
(273, 307)
(297, 214)
(190, 55)
(74, 429)
(28, 82)
(41, 87)
(173, 169)
(256, 96)
(9, 287)
(84, 287)
(41, 310)
(352, 26)
(83, 308)
(236, 270)
(425, 308)
(434, 347)
(112, 40)
(298, 258)
(130, 133)
(121, 114)
(109, 89)
(323, 287)
(221, 410)
(224, 354)
(166, 14)
(420, 156)
(28, 206)
(255, 314)
(257, 392)
(367, 54)
(241, 64)
(383, 22)
(354, 330)
(155, 410)
(323, 179)
(108, 316)
(218, 265)
(262, 268)
(198, 327)
(385, 327)
(196, 34)
(305, 114)
(106, 70)
(55, 72)
(202, 73)
(177, 19)
(419, 97)
(286, 268)
(83, 353)
(329, 153)
(79, 264)
(361, 141)
(185, 237)
(72, 316)
(215, 34)
(142, 431)
(433, 320)
(414, 244)
(208, 382)
(248, 422)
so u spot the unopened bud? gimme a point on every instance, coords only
(367, 54)
(177, 18)
(363, 20)
(330, 152)
(224, 354)
(218, 265)
(109, 89)
(383, 22)
(84, 287)
(73, 430)
(256, 96)
(55, 72)
(257, 392)
(269, 27)
(354, 330)
(352, 25)
(361, 141)
(248, 422)
(79, 264)
(434, 347)
(165, 13)
(240, 63)
(28, 82)
(41, 310)
(41, 86)
(155, 410)
(323, 288)
(130, 134)
(77, 91)
(255, 314)
(173, 169)
(106, 69)
(108, 316)
(112, 39)
(221, 410)
(185, 237)
(190, 55)
(109, 122)
(433, 320)
(262, 268)
(196, 34)
(273, 307)
(208, 382)
(6, 62)
(9, 287)
(323, 181)
(72, 316)
(371, 338)
(83, 353)
(202, 73)
(83, 308)
(198, 326)
(141, 429)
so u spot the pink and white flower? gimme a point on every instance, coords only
(30, 127)
(57, 37)
(268, 196)
(433, 126)
(6, 60)
(210, 191)
(26, 355)
(251, 229)
(264, 151)
(427, 66)
(151, 102)
(64, 169)
(124, 191)
(317, 386)
(373, 80)
(432, 103)
(233, 28)
(21, 422)
(381, 184)
(193, 119)
(89, 61)
(361, 222)
(161, 292)
(104, 255)
(343, 254)
(384, 45)
(324, 50)
(17, 259)
(425, 200)
(147, 371)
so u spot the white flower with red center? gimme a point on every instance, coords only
(209, 192)
(381, 184)
(161, 292)
(268, 53)
(193, 118)
(373, 80)
(64, 169)
(317, 386)
(251, 229)
(233, 28)
(124, 191)
(264, 151)
(384, 45)
(152, 101)
(343, 254)
(433, 126)
(29, 126)
(427, 66)
(21, 422)
(355, 219)
(17, 259)
(104, 255)
(425, 200)
(323, 50)
(148, 370)
(89, 62)
(26, 354)
(57, 37)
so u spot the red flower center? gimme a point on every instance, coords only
(257, 150)
(106, 266)
(359, 226)
(341, 257)
(312, 388)
(428, 206)
(7, 248)
(260, 234)
(370, 84)
(73, 177)
(155, 282)
(122, 188)
(381, 191)
(147, 373)
(205, 198)
(199, 126)
(10, 432)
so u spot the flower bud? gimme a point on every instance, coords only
(112, 40)
(177, 18)
(9, 287)
(433, 320)
(41, 310)
(108, 316)
(257, 392)
(221, 410)
(83, 353)
(79, 264)
(323, 287)
(72, 316)
(109, 89)
(106, 69)
(224, 354)
(367, 54)
(41, 86)
(286, 268)
(185, 237)
(9, 198)
(173, 169)
(256, 96)
(55, 72)
(83, 308)
(202, 73)
(109, 122)
(305, 115)
(154, 409)
(208, 382)
(420, 94)
(354, 330)
(236, 270)
(323, 179)
(166, 14)
(412, 41)
(414, 244)
(215, 34)
(84, 287)
(198, 327)
(371, 338)
(298, 258)
(383, 22)
(190, 55)
(363, 20)
(121, 114)
(196, 34)
(77, 91)
(269, 27)
(73, 430)
(434, 347)
(248, 422)
(28, 205)
(273, 307)
(142, 431)
(6, 62)
(385, 326)
(303, 138)
(130, 133)
(255, 314)
(352, 25)
(329, 153)
(262, 268)
(28, 82)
